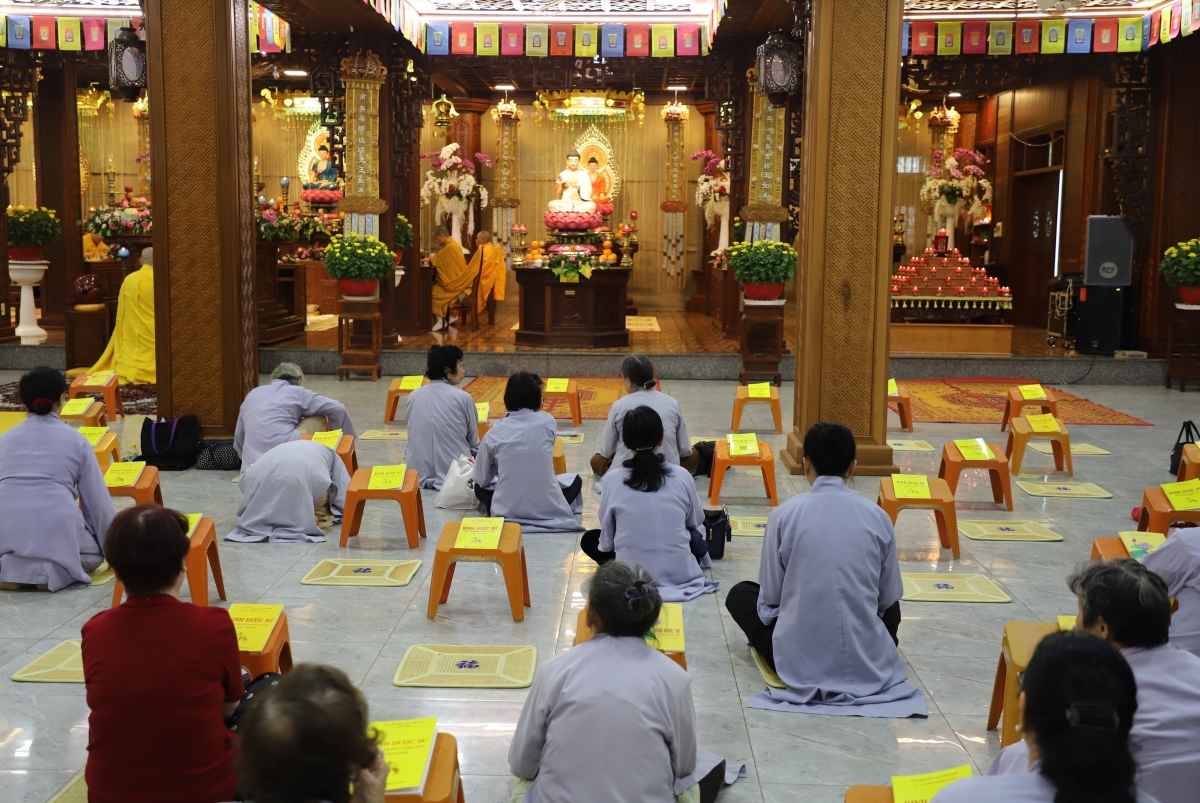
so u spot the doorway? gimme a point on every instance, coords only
(1034, 241)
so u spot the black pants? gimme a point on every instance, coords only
(711, 784)
(570, 493)
(742, 604)
(590, 544)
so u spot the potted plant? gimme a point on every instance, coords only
(272, 225)
(403, 236)
(762, 267)
(569, 267)
(358, 262)
(1180, 267)
(30, 230)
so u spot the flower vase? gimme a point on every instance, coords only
(949, 225)
(456, 222)
(723, 237)
(28, 274)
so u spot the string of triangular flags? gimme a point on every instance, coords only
(579, 40)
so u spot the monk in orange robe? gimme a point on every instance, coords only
(454, 278)
(488, 258)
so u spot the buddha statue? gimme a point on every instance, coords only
(574, 188)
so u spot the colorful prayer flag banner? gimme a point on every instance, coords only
(1106, 34)
(1183, 495)
(93, 34)
(922, 788)
(667, 633)
(93, 434)
(1079, 36)
(742, 445)
(487, 39)
(1026, 38)
(909, 486)
(123, 475)
(560, 40)
(43, 33)
(976, 449)
(331, 438)
(1195, 15)
(479, 533)
(407, 745)
(1185, 21)
(387, 478)
(1042, 423)
(1139, 545)
(1129, 39)
(637, 40)
(1000, 36)
(3, 32)
(76, 406)
(1032, 392)
(612, 40)
(924, 38)
(537, 39)
(949, 42)
(904, 37)
(1151, 34)
(687, 39)
(974, 38)
(558, 385)
(758, 390)
(512, 39)
(586, 44)
(1176, 19)
(662, 41)
(1054, 36)
(70, 33)
(437, 39)
(253, 624)
(462, 38)
(893, 389)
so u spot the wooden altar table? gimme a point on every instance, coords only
(589, 313)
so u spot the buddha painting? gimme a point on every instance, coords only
(574, 188)
(322, 174)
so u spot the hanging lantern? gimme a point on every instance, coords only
(778, 68)
(127, 64)
(443, 110)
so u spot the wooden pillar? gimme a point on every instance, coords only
(852, 89)
(56, 148)
(411, 306)
(467, 131)
(712, 141)
(387, 287)
(204, 295)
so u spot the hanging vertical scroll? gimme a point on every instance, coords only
(505, 201)
(673, 208)
(362, 77)
(765, 214)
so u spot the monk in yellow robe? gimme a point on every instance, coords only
(130, 351)
(94, 248)
(488, 258)
(454, 278)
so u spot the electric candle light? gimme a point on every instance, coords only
(915, 290)
(895, 288)
(962, 291)
(939, 291)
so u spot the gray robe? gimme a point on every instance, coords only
(675, 437)
(828, 570)
(614, 717)
(517, 456)
(270, 413)
(280, 491)
(44, 466)
(1028, 787)
(1177, 562)
(442, 426)
(1166, 727)
(655, 529)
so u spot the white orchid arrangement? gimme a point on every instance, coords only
(712, 188)
(955, 184)
(453, 191)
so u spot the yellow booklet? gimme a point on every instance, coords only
(758, 390)
(556, 385)
(479, 533)
(892, 389)
(1067, 622)
(253, 624)
(740, 445)
(922, 788)
(76, 406)
(193, 522)
(1032, 392)
(974, 450)
(1183, 495)
(386, 478)
(99, 378)
(667, 634)
(411, 382)
(407, 746)
(122, 475)
(481, 411)
(1042, 423)
(93, 434)
(909, 486)
(1139, 545)
(331, 438)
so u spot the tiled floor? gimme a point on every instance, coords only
(949, 650)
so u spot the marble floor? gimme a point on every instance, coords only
(950, 651)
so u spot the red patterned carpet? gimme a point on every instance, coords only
(981, 401)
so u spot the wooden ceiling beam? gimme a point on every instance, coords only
(330, 16)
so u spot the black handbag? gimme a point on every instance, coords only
(717, 530)
(705, 449)
(1188, 433)
(218, 456)
(171, 445)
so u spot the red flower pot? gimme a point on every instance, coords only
(1188, 295)
(763, 292)
(35, 253)
(358, 287)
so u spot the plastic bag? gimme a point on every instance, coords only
(458, 490)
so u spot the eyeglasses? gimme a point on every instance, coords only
(1021, 680)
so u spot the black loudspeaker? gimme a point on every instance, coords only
(1109, 252)
(1100, 314)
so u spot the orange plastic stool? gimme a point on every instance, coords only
(143, 492)
(484, 426)
(394, 396)
(94, 416)
(408, 495)
(940, 500)
(583, 632)
(108, 451)
(111, 390)
(1015, 405)
(953, 464)
(1020, 434)
(1107, 549)
(743, 398)
(345, 450)
(722, 461)
(204, 547)
(572, 395)
(276, 656)
(560, 457)
(510, 554)
(869, 794)
(1189, 463)
(1158, 514)
(444, 782)
(903, 409)
(1020, 640)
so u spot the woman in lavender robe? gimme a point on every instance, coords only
(637, 374)
(1128, 605)
(514, 471)
(1177, 562)
(283, 411)
(825, 610)
(295, 492)
(651, 514)
(441, 418)
(612, 720)
(55, 506)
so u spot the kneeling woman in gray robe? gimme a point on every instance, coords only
(283, 492)
(46, 537)
(613, 718)
(514, 471)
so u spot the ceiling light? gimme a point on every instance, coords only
(296, 73)
(677, 88)
(504, 88)
(955, 94)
